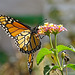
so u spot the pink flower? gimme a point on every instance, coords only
(50, 28)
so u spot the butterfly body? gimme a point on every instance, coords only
(26, 38)
(34, 30)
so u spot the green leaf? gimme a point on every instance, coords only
(41, 54)
(71, 66)
(62, 47)
(46, 70)
(54, 67)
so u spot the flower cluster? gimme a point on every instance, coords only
(50, 28)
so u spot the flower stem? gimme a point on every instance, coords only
(62, 62)
(61, 72)
(61, 69)
(58, 60)
(57, 55)
(57, 51)
(66, 69)
(55, 40)
(50, 40)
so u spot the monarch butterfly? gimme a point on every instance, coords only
(25, 37)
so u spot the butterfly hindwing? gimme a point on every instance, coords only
(23, 39)
(28, 43)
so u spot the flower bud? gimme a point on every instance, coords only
(63, 54)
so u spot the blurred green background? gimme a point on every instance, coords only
(32, 12)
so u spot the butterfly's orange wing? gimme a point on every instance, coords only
(12, 26)
(26, 42)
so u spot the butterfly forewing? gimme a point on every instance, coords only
(12, 26)
(25, 37)
(26, 40)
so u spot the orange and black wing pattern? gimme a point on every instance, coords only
(11, 26)
(26, 41)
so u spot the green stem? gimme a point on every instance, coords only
(62, 72)
(62, 62)
(55, 40)
(50, 41)
(57, 51)
(57, 55)
(62, 66)
(58, 60)
(66, 69)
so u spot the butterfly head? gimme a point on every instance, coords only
(35, 30)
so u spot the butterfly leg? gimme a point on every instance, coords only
(42, 36)
(30, 62)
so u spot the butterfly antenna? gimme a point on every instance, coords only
(41, 22)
